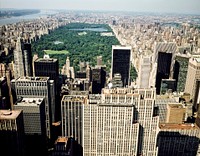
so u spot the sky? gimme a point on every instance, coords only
(170, 6)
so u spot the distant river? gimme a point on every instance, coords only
(91, 29)
(12, 20)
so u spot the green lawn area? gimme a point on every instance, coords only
(56, 52)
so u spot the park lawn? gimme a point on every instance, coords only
(50, 52)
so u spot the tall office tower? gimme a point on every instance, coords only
(123, 122)
(180, 71)
(71, 114)
(40, 87)
(98, 80)
(178, 139)
(4, 94)
(12, 132)
(121, 58)
(34, 124)
(66, 68)
(164, 54)
(47, 66)
(192, 85)
(22, 59)
(143, 80)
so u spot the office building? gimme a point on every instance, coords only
(175, 113)
(178, 139)
(22, 59)
(180, 71)
(40, 87)
(4, 94)
(192, 85)
(12, 132)
(47, 67)
(164, 55)
(34, 124)
(72, 116)
(162, 102)
(121, 59)
(123, 122)
(98, 80)
(143, 79)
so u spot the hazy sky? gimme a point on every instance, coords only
(180, 6)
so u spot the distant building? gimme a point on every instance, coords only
(41, 87)
(67, 70)
(121, 59)
(143, 80)
(22, 59)
(178, 139)
(12, 132)
(192, 85)
(98, 80)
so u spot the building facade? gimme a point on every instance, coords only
(121, 59)
(12, 132)
(30, 87)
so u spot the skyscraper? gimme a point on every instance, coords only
(12, 132)
(34, 124)
(164, 54)
(122, 122)
(40, 87)
(48, 67)
(71, 114)
(121, 58)
(192, 85)
(22, 59)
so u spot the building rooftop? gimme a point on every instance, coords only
(175, 105)
(61, 140)
(197, 59)
(32, 78)
(29, 102)
(9, 114)
(187, 126)
(46, 60)
(121, 47)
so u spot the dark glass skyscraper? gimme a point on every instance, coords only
(121, 58)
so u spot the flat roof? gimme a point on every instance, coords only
(9, 114)
(29, 102)
(46, 60)
(62, 140)
(188, 126)
(121, 47)
(33, 78)
(175, 105)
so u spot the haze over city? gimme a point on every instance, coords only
(163, 6)
(100, 77)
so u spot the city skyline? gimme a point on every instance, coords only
(170, 6)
